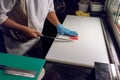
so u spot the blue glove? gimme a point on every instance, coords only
(64, 31)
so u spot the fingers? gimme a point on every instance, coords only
(32, 33)
(37, 34)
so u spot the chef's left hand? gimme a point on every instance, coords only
(64, 31)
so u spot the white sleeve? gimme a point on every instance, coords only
(5, 7)
(51, 5)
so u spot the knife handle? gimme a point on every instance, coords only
(2, 67)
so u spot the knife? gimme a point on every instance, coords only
(18, 72)
(58, 38)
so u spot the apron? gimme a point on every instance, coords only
(16, 47)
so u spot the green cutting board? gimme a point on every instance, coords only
(21, 62)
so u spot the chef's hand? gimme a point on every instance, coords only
(31, 33)
(64, 31)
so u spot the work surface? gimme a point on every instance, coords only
(88, 49)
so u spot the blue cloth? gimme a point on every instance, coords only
(64, 31)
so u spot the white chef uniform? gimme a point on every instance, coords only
(34, 11)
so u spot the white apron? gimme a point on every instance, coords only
(37, 11)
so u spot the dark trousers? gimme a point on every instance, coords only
(2, 44)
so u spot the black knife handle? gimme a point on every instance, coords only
(2, 67)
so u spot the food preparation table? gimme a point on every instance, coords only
(89, 48)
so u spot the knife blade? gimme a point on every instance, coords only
(18, 72)
(57, 38)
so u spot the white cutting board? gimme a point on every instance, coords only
(88, 49)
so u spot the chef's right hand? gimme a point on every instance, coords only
(31, 33)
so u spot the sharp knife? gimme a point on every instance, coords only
(56, 38)
(18, 72)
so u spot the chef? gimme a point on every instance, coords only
(23, 20)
